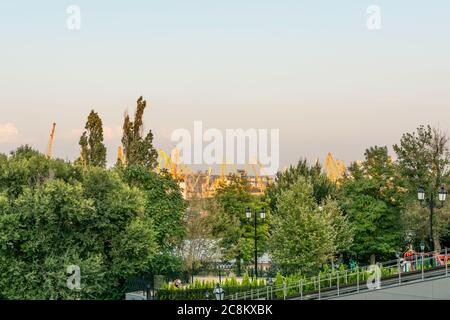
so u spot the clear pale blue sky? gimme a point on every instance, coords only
(310, 68)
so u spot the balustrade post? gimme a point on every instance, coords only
(301, 289)
(319, 286)
(337, 275)
(357, 279)
(446, 262)
(423, 271)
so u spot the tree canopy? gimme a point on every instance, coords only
(138, 147)
(54, 214)
(230, 224)
(93, 151)
(424, 161)
(304, 234)
(322, 186)
(371, 196)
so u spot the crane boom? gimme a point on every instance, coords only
(120, 157)
(50, 142)
(335, 169)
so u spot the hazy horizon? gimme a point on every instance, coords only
(311, 69)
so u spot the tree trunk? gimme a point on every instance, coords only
(238, 260)
(372, 259)
(437, 245)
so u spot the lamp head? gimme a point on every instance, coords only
(248, 213)
(263, 213)
(442, 194)
(421, 194)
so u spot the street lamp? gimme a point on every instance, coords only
(422, 246)
(262, 214)
(219, 267)
(442, 195)
(218, 292)
(248, 213)
(431, 204)
(422, 251)
(421, 194)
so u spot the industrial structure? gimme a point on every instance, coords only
(204, 184)
(50, 142)
(334, 169)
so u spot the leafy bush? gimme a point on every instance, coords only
(54, 214)
(202, 290)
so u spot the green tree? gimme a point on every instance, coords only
(322, 186)
(305, 235)
(372, 197)
(28, 168)
(164, 204)
(54, 225)
(199, 246)
(424, 160)
(230, 225)
(93, 151)
(138, 150)
(54, 214)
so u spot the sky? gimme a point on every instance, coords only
(311, 69)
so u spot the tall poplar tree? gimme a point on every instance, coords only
(93, 151)
(138, 149)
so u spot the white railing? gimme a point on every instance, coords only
(416, 267)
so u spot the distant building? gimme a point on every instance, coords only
(204, 185)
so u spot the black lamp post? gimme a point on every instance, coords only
(220, 274)
(422, 246)
(431, 204)
(248, 214)
(218, 292)
(422, 251)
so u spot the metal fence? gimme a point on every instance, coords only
(415, 267)
(200, 294)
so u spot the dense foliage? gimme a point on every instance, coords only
(138, 148)
(424, 160)
(371, 196)
(305, 235)
(54, 214)
(130, 221)
(322, 186)
(93, 151)
(235, 232)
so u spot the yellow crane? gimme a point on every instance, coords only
(335, 169)
(172, 164)
(120, 156)
(225, 170)
(162, 158)
(262, 179)
(50, 142)
(206, 181)
(221, 180)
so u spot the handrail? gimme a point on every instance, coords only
(338, 283)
